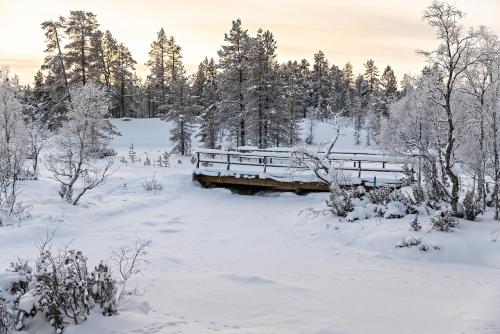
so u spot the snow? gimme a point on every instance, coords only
(271, 263)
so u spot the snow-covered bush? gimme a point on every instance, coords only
(408, 242)
(444, 222)
(80, 143)
(132, 155)
(61, 288)
(103, 289)
(380, 195)
(5, 317)
(471, 207)
(164, 159)
(358, 213)
(415, 225)
(395, 210)
(340, 202)
(409, 177)
(152, 184)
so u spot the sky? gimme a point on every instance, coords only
(388, 31)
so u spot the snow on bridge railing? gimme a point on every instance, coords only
(282, 159)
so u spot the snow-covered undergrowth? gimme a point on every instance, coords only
(270, 263)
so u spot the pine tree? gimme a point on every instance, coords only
(55, 84)
(373, 89)
(81, 58)
(371, 76)
(294, 99)
(321, 87)
(389, 86)
(157, 65)
(235, 75)
(124, 80)
(180, 111)
(206, 95)
(262, 89)
(347, 89)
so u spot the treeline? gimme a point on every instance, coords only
(246, 96)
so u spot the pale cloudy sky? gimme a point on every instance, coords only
(389, 31)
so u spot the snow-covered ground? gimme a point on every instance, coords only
(271, 263)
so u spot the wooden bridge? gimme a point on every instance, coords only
(249, 170)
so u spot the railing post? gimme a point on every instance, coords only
(359, 168)
(383, 164)
(228, 161)
(197, 160)
(374, 182)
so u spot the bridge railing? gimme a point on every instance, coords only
(265, 159)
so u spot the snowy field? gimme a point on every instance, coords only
(265, 264)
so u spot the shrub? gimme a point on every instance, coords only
(444, 222)
(470, 206)
(340, 202)
(408, 242)
(164, 159)
(103, 289)
(5, 317)
(418, 194)
(62, 289)
(409, 177)
(131, 153)
(415, 225)
(152, 184)
(380, 195)
(395, 210)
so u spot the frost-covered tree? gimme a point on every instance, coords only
(450, 60)
(38, 133)
(80, 144)
(13, 146)
(414, 130)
